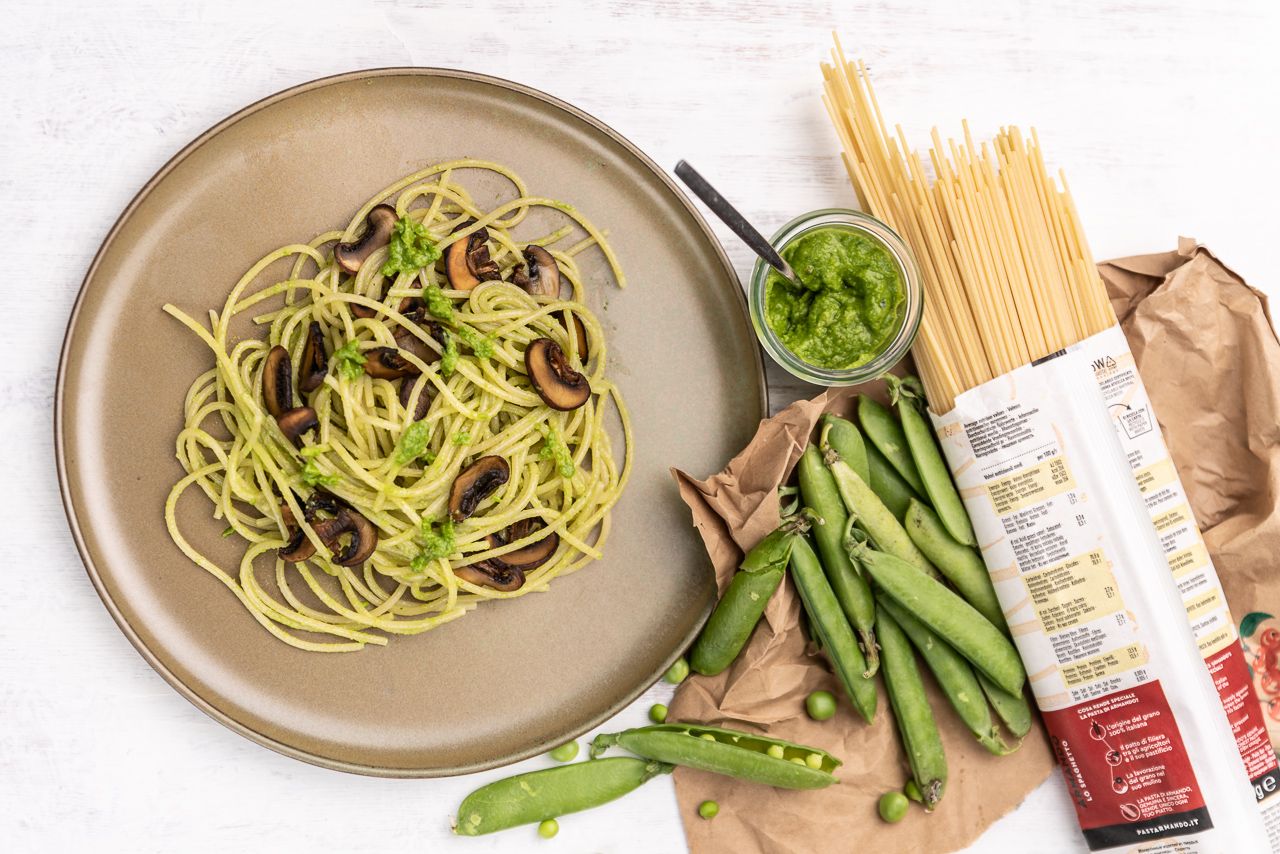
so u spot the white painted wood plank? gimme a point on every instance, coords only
(1162, 115)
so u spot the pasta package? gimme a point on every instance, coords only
(1088, 538)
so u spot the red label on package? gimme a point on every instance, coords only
(1235, 689)
(1127, 768)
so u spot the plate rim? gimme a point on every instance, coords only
(59, 414)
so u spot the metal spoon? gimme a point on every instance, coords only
(730, 216)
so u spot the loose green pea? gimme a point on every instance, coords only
(678, 671)
(550, 828)
(708, 809)
(708, 736)
(775, 750)
(658, 714)
(893, 806)
(821, 705)
(912, 791)
(566, 752)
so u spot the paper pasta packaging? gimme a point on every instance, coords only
(1114, 605)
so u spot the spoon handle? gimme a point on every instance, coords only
(730, 216)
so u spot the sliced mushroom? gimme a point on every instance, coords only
(386, 363)
(299, 547)
(407, 341)
(424, 398)
(544, 275)
(378, 224)
(363, 311)
(364, 537)
(315, 360)
(581, 332)
(558, 384)
(504, 579)
(467, 262)
(297, 421)
(476, 483)
(529, 557)
(277, 382)
(519, 277)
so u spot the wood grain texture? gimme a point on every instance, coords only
(1163, 115)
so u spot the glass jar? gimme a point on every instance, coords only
(893, 348)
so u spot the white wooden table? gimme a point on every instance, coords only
(1164, 116)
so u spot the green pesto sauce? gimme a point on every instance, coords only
(848, 307)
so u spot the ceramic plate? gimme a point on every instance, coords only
(510, 679)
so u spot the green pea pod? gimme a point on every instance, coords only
(933, 469)
(911, 709)
(847, 439)
(954, 619)
(730, 752)
(886, 434)
(961, 565)
(772, 550)
(734, 618)
(870, 513)
(888, 485)
(818, 489)
(551, 793)
(954, 676)
(1013, 709)
(829, 622)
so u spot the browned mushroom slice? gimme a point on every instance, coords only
(315, 360)
(378, 224)
(581, 332)
(424, 398)
(467, 262)
(410, 343)
(531, 556)
(504, 579)
(363, 311)
(364, 537)
(476, 483)
(544, 275)
(559, 385)
(386, 363)
(299, 547)
(519, 277)
(277, 382)
(297, 421)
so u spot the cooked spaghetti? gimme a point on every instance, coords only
(416, 425)
(1007, 271)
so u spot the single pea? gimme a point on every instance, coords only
(820, 705)
(658, 714)
(797, 760)
(893, 806)
(548, 828)
(566, 752)
(678, 671)
(706, 736)
(813, 760)
(775, 750)
(913, 791)
(708, 809)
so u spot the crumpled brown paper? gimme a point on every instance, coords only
(1210, 360)
(1207, 351)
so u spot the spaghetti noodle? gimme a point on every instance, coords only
(374, 451)
(1007, 272)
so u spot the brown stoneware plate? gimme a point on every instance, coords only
(510, 679)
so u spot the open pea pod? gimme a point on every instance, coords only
(744, 755)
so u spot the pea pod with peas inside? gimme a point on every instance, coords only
(935, 475)
(820, 494)
(869, 511)
(960, 564)
(552, 792)
(887, 435)
(743, 755)
(742, 604)
(910, 704)
(954, 619)
(954, 675)
(894, 492)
